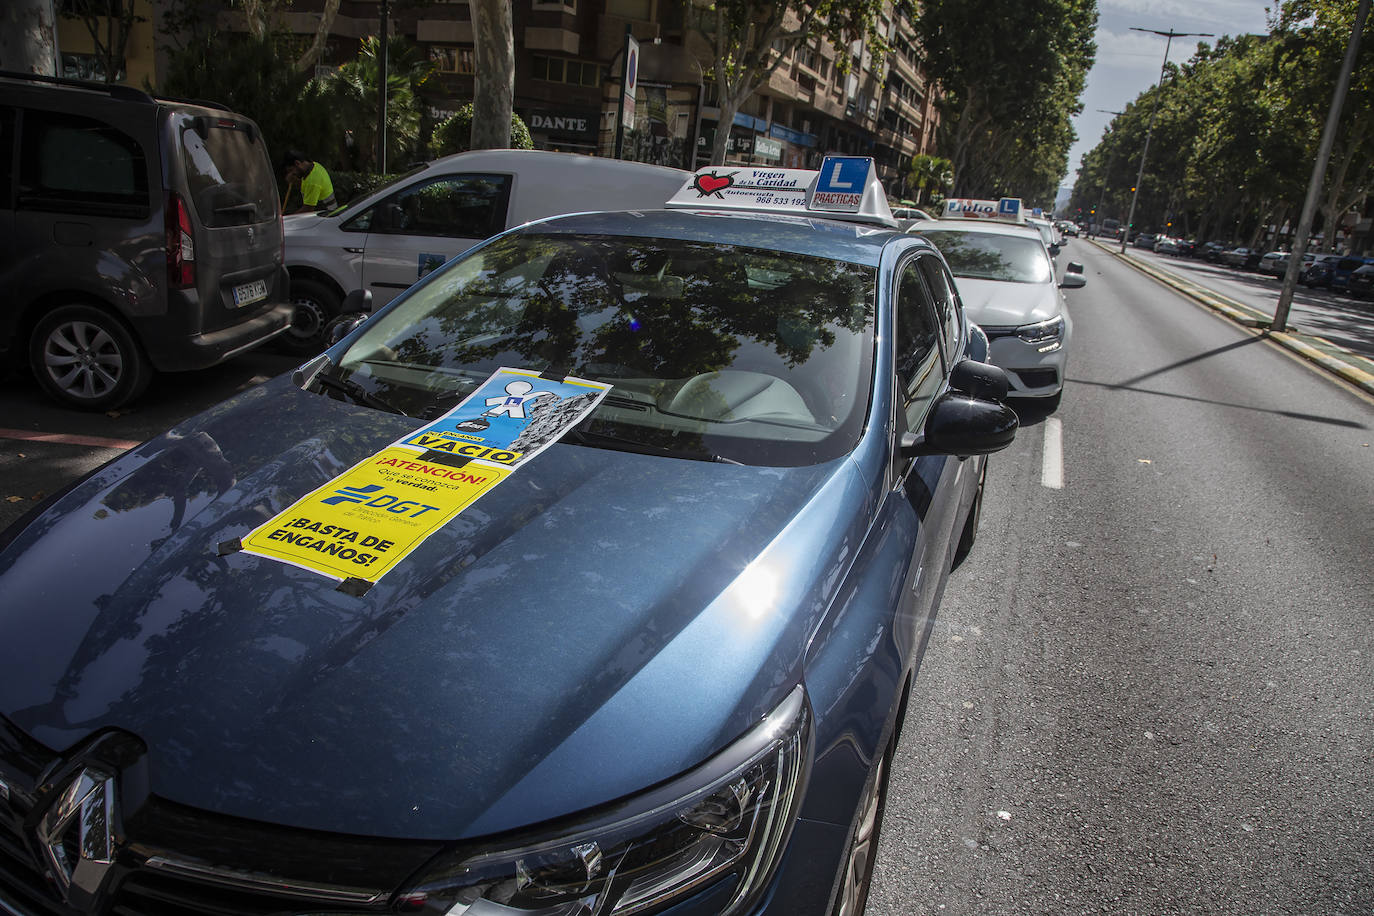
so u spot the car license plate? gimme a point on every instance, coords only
(250, 292)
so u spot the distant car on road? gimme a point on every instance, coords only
(137, 235)
(1144, 240)
(1166, 245)
(1006, 281)
(1274, 263)
(389, 239)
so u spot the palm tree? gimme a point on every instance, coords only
(352, 92)
(930, 173)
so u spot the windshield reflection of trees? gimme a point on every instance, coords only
(988, 258)
(659, 308)
(656, 310)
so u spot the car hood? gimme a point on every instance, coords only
(581, 632)
(1000, 303)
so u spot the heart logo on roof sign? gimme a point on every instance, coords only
(712, 183)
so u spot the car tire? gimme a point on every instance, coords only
(975, 516)
(857, 875)
(313, 306)
(84, 357)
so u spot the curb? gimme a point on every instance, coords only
(1351, 367)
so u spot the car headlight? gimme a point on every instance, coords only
(728, 820)
(1042, 332)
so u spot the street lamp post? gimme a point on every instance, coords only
(1154, 110)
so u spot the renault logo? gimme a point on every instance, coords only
(77, 834)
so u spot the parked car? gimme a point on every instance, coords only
(387, 240)
(1008, 289)
(1274, 263)
(1166, 245)
(905, 216)
(1361, 282)
(1211, 251)
(138, 235)
(1144, 240)
(1236, 257)
(1333, 272)
(590, 575)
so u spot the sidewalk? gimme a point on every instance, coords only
(1353, 368)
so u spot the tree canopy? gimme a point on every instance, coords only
(749, 40)
(1237, 133)
(1012, 72)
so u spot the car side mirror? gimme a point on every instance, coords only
(359, 300)
(1073, 268)
(1073, 281)
(980, 380)
(1054, 250)
(961, 425)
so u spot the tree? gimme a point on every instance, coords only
(252, 76)
(28, 37)
(109, 23)
(930, 173)
(454, 134)
(493, 73)
(1005, 117)
(749, 40)
(351, 93)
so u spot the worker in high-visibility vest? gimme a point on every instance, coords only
(315, 190)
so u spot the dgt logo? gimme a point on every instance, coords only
(372, 495)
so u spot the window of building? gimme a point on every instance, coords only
(630, 9)
(88, 67)
(451, 60)
(559, 70)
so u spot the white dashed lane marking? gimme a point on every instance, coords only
(1052, 464)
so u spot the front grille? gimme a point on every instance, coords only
(995, 332)
(148, 893)
(1037, 378)
(22, 880)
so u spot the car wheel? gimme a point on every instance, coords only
(313, 306)
(86, 358)
(863, 848)
(975, 515)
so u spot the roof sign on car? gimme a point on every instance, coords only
(844, 188)
(1006, 210)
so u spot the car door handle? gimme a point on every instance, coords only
(353, 250)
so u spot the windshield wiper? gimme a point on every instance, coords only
(584, 437)
(356, 393)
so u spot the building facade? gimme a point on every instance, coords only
(568, 74)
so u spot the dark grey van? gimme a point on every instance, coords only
(136, 235)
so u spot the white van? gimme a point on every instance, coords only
(387, 240)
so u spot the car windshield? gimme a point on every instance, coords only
(985, 256)
(751, 355)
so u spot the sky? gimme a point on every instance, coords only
(1128, 62)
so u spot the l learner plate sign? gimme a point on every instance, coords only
(841, 183)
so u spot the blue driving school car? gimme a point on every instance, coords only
(589, 576)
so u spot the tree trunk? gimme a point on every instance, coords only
(313, 53)
(28, 37)
(493, 73)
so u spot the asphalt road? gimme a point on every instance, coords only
(1151, 691)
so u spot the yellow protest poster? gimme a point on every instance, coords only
(365, 521)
